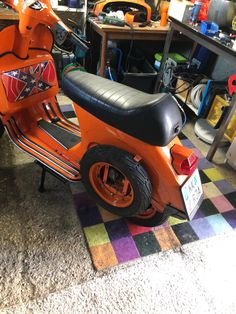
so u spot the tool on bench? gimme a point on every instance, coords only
(110, 20)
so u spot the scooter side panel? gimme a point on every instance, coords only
(156, 160)
(30, 80)
(24, 83)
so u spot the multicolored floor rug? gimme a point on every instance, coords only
(112, 240)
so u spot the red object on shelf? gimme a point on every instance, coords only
(232, 84)
(204, 10)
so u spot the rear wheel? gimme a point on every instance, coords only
(116, 181)
(151, 218)
(1, 128)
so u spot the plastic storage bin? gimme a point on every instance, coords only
(140, 75)
(215, 113)
(176, 57)
(208, 28)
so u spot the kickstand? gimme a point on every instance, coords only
(42, 181)
(45, 169)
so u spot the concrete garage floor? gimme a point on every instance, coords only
(45, 266)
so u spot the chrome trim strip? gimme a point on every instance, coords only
(25, 145)
(43, 149)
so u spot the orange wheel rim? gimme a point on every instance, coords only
(111, 185)
(149, 213)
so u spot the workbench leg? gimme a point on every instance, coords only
(223, 127)
(168, 40)
(103, 55)
(193, 50)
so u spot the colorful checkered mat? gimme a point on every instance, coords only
(112, 240)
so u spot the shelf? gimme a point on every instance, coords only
(188, 103)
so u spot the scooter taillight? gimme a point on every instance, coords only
(184, 161)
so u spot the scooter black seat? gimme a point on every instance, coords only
(152, 118)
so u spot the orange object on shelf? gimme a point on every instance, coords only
(114, 5)
(164, 12)
(132, 16)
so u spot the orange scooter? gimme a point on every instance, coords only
(125, 149)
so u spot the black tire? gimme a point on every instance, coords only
(2, 129)
(133, 170)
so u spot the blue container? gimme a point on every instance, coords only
(195, 11)
(208, 28)
(74, 4)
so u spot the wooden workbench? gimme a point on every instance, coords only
(7, 14)
(7, 17)
(110, 32)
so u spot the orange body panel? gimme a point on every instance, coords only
(28, 21)
(99, 6)
(26, 46)
(9, 62)
(156, 160)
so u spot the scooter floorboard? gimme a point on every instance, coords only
(58, 163)
(63, 136)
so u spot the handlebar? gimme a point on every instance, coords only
(35, 12)
(63, 35)
(79, 42)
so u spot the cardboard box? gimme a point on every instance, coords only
(183, 90)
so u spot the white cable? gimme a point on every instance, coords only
(196, 94)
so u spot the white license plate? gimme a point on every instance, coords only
(192, 194)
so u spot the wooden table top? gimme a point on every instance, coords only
(154, 28)
(7, 14)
